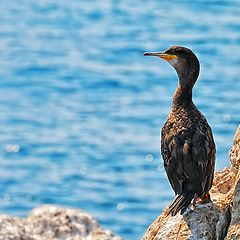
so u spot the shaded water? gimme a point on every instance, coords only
(85, 107)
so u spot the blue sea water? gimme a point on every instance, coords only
(81, 108)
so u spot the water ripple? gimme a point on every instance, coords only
(84, 107)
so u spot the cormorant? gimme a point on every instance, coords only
(187, 143)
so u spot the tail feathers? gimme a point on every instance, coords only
(180, 203)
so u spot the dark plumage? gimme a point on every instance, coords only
(187, 144)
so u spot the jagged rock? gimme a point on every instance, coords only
(208, 221)
(235, 153)
(234, 228)
(51, 223)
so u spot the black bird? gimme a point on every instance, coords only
(187, 143)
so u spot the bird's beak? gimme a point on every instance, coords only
(165, 56)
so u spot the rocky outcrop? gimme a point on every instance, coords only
(51, 223)
(217, 220)
(234, 228)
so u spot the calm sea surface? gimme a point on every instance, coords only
(81, 108)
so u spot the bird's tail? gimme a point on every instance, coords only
(180, 203)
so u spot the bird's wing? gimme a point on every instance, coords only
(189, 160)
(172, 157)
(203, 154)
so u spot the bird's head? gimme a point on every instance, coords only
(183, 60)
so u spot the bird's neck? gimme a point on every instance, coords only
(183, 93)
(187, 77)
(182, 97)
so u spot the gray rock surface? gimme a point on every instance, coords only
(51, 223)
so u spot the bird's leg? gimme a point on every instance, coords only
(194, 201)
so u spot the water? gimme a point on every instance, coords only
(81, 108)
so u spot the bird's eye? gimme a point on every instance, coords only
(178, 50)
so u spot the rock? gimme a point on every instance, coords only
(50, 223)
(235, 153)
(234, 228)
(217, 220)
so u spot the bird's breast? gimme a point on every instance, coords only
(182, 123)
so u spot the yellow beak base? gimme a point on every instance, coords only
(168, 57)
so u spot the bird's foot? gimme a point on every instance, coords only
(205, 198)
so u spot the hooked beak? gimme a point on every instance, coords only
(165, 56)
